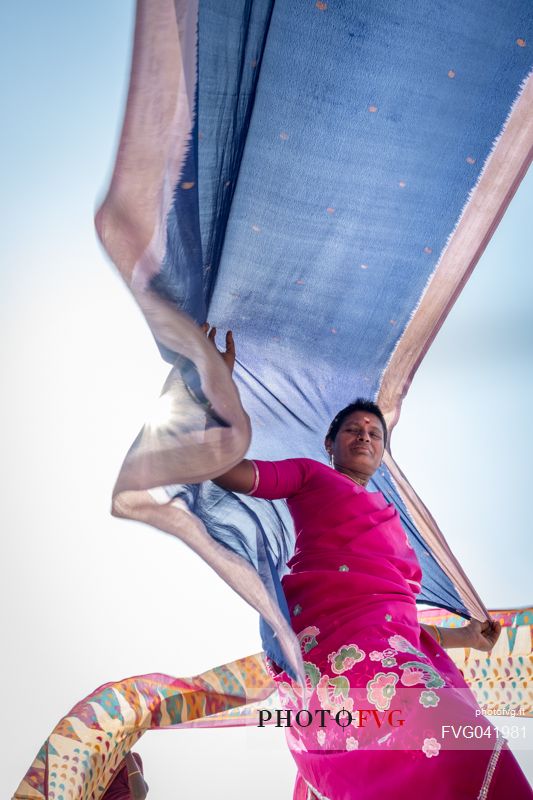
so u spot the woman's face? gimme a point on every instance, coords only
(359, 444)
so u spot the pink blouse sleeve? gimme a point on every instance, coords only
(275, 480)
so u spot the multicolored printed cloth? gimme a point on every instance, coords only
(501, 680)
(81, 755)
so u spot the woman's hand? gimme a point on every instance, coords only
(229, 354)
(481, 635)
(136, 783)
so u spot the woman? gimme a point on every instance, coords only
(351, 591)
(386, 713)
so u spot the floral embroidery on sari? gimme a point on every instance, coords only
(434, 680)
(307, 638)
(401, 645)
(429, 699)
(293, 690)
(345, 658)
(411, 676)
(312, 675)
(334, 694)
(287, 694)
(351, 743)
(381, 690)
(431, 747)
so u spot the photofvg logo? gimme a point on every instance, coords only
(416, 718)
(322, 718)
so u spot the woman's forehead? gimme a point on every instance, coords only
(362, 417)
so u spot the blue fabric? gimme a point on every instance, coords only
(333, 152)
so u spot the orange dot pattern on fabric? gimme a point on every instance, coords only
(187, 185)
(321, 6)
(451, 73)
(402, 184)
(428, 250)
(521, 42)
(372, 109)
(470, 160)
(330, 210)
(284, 136)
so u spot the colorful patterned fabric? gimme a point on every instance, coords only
(80, 757)
(501, 680)
(321, 178)
(226, 696)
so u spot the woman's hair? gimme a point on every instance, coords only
(358, 405)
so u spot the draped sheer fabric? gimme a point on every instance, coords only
(321, 178)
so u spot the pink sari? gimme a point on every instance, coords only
(387, 713)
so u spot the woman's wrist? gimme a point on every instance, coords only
(454, 637)
(434, 632)
(448, 638)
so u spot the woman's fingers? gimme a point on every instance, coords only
(230, 344)
(211, 332)
(491, 631)
(229, 354)
(496, 630)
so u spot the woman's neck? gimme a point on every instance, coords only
(356, 477)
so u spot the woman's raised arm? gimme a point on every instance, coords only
(240, 478)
